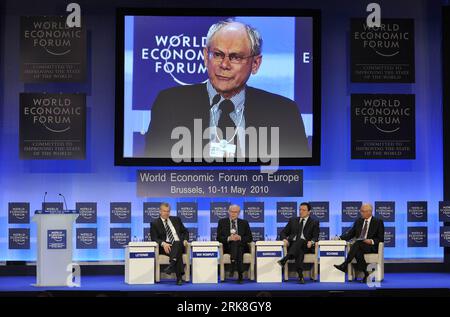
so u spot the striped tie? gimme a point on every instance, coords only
(364, 230)
(169, 234)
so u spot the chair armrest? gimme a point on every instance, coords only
(252, 247)
(187, 246)
(221, 250)
(381, 250)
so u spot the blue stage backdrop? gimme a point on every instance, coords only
(338, 179)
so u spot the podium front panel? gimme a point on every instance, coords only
(267, 268)
(140, 264)
(331, 254)
(204, 264)
(54, 251)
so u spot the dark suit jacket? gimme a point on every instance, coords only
(158, 231)
(311, 229)
(243, 229)
(375, 232)
(179, 106)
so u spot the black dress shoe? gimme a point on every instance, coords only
(179, 282)
(282, 262)
(170, 269)
(342, 267)
(364, 280)
(301, 279)
(240, 279)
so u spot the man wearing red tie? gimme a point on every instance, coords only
(368, 232)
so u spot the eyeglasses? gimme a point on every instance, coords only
(234, 58)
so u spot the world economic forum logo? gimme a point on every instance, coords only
(220, 212)
(120, 238)
(287, 212)
(187, 212)
(87, 238)
(18, 213)
(121, 212)
(384, 113)
(320, 212)
(254, 212)
(87, 213)
(52, 35)
(418, 236)
(445, 237)
(19, 239)
(54, 113)
(180, 56)
(351, 212)
(384, 40)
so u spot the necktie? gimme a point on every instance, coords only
(225, 121)
(233, 225)
(169, 234)
(364, 230)
(300, 230)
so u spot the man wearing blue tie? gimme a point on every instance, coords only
(171, 236)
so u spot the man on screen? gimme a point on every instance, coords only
(171, 236)
(233, 114)
(300, 236)
(235, 235)
(368, 232)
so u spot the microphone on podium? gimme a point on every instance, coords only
(43, 204)
(65, 202)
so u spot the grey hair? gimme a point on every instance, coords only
(254, 36)
(367, 205)
(164, 204)
(234, 205)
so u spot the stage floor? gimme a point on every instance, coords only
(114, 283)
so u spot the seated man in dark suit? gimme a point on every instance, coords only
(171, 236)
(300, 235)
(228, 110)
(235, 235)
(368, 232)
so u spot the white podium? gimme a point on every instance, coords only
(54, 250)
(267, 255)
(331, 252)
(140, 262)
(205, 261)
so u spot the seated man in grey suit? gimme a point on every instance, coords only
(368, 232)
